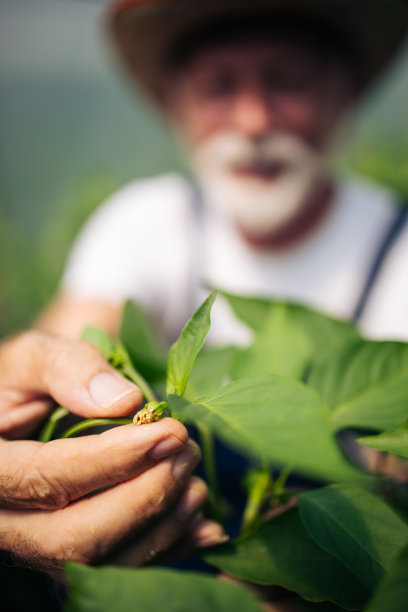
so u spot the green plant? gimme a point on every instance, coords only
(340, 544)
(31, 262)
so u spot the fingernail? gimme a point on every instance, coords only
(106, 389)
(206, 532)
(186, 461)
(211, 540)
(191, 501)
(166, 447)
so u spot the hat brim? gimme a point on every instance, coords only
(145, 30)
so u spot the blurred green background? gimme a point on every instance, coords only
(72, 130)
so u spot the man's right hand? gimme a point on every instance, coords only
(46, 516)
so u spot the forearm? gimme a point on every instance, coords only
(68, 316)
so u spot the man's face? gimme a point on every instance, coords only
(259, 116)
(257, 89)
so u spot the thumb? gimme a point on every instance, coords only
(73, 372)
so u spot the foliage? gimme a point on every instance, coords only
(356, 527)
(109, 588)
(381, 156)
(338, 542)
(183, 353)
(282, 552)
(32, 264)
(395, 441)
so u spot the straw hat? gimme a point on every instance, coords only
(145, 31)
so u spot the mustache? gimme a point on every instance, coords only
(232, 150)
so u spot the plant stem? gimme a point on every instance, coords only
(279, 486)
(129, 371)
(256, 498)
(47, 431)
(207, 446)
(88, 423)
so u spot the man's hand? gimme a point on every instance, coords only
(46, 516)
(38, 369)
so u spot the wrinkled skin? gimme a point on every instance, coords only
(45, 516)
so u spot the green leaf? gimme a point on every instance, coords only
(184, 351)
(366, 384)
(392, 594)
(142, 342)
(280, 347)
(324, 332)
(395, 441)
(273, 418)
(251, 310)
(310, 606)
(280, 552)
(211, 370)
(99, 338)
(110, 589)
(356, 527)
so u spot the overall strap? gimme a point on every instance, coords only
(196, 199)
(390, 236)
(197, 240)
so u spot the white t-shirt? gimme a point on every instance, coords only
(148, 242)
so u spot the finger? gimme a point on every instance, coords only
(18, 422)
(165, 534)
(204, 533)
(51, 475)
(201, 533)
(74, 373)
(89, 528)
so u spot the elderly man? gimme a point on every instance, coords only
(255, 91)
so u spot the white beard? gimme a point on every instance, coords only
(259, 206)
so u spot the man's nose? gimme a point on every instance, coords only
(252, 115)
